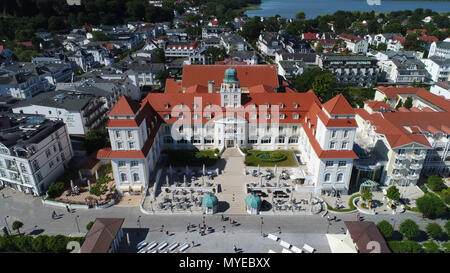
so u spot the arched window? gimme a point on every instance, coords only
(327, 177)
(340, 177)
(135, 177)
(123, 177)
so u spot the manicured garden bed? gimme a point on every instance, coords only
(191, 158)
(350, 204)
(270, 158)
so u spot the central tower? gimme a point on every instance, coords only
(230, 90)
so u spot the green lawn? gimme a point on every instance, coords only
(271, 158)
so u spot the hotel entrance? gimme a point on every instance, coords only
(230, 143)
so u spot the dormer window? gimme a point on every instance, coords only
(194, 106)
(296, 116)
(254, 106)
(166, 116)
(267, 116)
(180, 116)
(166, 106)
(181, 105)
(295, 105)
(281, 105)
(268, 105)
(209, 105)
(194, 116)
(282, 116)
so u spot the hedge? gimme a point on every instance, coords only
(405, 247)
(39, 244)
(350, 204)
(431, 247)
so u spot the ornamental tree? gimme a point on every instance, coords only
(435, 231)
(386, 229)
(393, 193)
(17, 225)
(435, 183)
(409, 229)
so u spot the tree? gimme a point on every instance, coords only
(300, 15)
(386, 229)
(435, 183)
(435, 231)
(95, 140)
(431, 247)
(324, 84)
(23, 243)
(252, 28)
(409, 229)
(98, 36)
(399, 104)
(366, 194)
(408, 103)
(405, 247)
(214, 54)
(431, 206)
(194, 32)
(159, 56)
(56, 244)
(161, 76)
(382, 47)
(17, 225)
(393, 193)
(39, 244)
(319, 48)
(447, 228)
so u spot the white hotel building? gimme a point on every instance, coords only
(222, 107)
(34, 152)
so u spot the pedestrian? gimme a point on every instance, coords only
(222, 218)
(192, 243)
(3, 195)
(358, 216)
(167, 232)
(53, 215)
(68, 210)
(234, 248)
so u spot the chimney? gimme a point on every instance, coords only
(211, 87)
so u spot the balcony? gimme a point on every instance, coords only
(398, 165)
(397, 175)
(418, 156)
(416, 166)
(400, 156)
(413, 176)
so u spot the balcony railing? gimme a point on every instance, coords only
(397, 175)
(399, 165)
(400, 156)
(418, 156)
(415, 166)
(413, 176)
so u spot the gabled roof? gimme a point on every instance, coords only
(338, 106)
(101, 235)
(363, 233)
(124, 106)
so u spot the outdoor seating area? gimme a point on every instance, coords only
(179, 200)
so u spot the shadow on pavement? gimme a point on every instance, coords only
(136, 236)
(223, 206)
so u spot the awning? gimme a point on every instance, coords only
(136, 187)
(124, 188)
(341, 243)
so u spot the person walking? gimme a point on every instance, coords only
(222, 218)
(53, 215)
(167, 232)
(192, 243)
(234, 248)
(68, 210)
(358, 217)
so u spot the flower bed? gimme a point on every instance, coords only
(350, 204)
(270, 158)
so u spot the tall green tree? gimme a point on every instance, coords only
(386, 229)
(95, 140)
(324, 85)
(17, 225)
(393, 193)
(409, 229)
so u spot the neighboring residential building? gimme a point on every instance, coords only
(233, 42)
(395, 147)
(23, 80)
(105, 235)
(401, 70)
(354, 43)
(441, 89)
(79, 111)
(383, 38)
(249, 57)
(438, 68)
(351, 70)
(210, 32)
(440, 49)
(293, 44)
(180, 50)
(268, 43)
(323, 133)
(34, 152)
(311, 59)
(287, 69)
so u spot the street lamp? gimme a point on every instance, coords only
(76, 221)
(139, 221)
(7, 226)
(393, 227)
(262, 222)
(328, 225)
(279, 230)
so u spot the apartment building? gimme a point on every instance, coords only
(34, 151)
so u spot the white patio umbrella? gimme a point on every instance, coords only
(204, 169)
(184, 179)
(260, 181)
(167, 180)
(258, 169)
(89, 185)
(275, 171)
(278, 181)
(203, 181)
(71, 184)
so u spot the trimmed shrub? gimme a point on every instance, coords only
(405, 247)
(431, 206)
(435, 183)
(56, 189)
(435, 231)
(89, 225)
(447, 247)
(39, 244)
(431, 247)
(386, 229)
(409, 229)
(447, 227)
(393, 193)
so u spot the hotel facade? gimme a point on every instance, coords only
(223, 107)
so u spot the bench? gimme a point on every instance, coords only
(286, 251)
(162, 245)
(183, 247)
(141, 244)
(173, 246)
(272, 237)
(271, 251)
(285, 244)
(152, 245)
(296, 249)
(308, 248)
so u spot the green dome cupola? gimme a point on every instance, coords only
(253, 201)
(209, 201)
(230, 76)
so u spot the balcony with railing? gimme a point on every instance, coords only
(418, 156)
(400, 156)
(415, 166)
(397, 176)
(414, 176)
(398, 165)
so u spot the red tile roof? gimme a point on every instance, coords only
(248, 75)
(401, 39)
(338, 106)
(379, 105)
(124, 106)
(429, 39)
(309, 36)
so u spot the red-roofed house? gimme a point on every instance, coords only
(223, 107)
(354, 43)
(405, 143)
